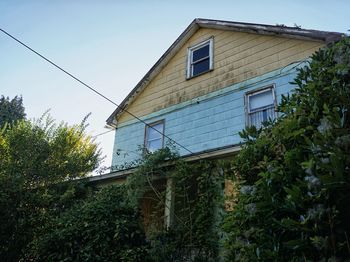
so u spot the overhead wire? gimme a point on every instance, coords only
(295, 63)
(114, 103)
(102, 133)
(95, 91)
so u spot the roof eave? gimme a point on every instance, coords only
(277, 30)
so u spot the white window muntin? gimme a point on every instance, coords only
(191, 63)
(154, 140)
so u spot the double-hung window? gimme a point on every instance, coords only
(260, 106)
(154, 138)
(200, 58)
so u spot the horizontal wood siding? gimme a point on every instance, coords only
(211, 123)
(237, 57)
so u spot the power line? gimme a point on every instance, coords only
(299, 62)
(93, 90)
(103, 133)
(111, 101)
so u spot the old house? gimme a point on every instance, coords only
(215, 79)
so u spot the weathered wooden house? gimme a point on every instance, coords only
(214, 80)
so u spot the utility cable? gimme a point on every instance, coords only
(94, 90)
(103, 133)
(111, 101)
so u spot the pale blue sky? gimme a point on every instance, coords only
(112, 44)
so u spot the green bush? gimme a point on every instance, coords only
(104, 227)
(294, 174)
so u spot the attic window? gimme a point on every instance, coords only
(200, 58)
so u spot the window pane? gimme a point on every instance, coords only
(200, 53)
(154, 140)
(154, 145)
(261, 100)
(200, 67)
(256, 118)
(153, 134)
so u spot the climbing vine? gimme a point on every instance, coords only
(194, 232)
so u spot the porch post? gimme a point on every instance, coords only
(169, 203)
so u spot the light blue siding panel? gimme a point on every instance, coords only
(213, 122)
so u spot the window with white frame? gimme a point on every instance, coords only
(200, 58)
(154, 138)
(260, 106)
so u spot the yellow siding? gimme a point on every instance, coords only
(237, 57)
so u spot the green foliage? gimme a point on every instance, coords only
(152, 165)
(294, 174)
(198, 201)
(11, 110)
(194, 233)
(104, 227)
(37, 159)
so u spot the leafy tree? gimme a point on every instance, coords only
(11, 110)
(38, 160)
(294, 174)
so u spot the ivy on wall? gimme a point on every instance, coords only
(194, 233)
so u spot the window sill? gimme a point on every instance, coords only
(189, 78)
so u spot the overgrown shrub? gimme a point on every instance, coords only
(294, 174)
(105, 227)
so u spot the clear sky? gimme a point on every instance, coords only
(111, 45)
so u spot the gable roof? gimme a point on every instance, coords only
(261, 29)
